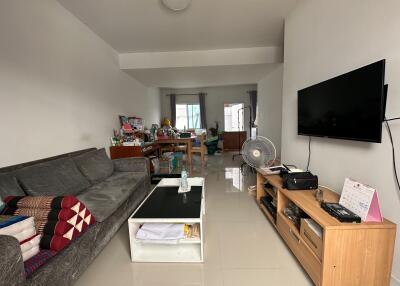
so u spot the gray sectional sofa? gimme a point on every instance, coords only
(110, 189)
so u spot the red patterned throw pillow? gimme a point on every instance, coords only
(58, 219)
(42, 202)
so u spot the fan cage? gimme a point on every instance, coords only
(259, 152)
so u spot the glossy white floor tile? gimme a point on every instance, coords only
(241, 247)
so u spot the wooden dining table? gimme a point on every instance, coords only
(170, 140)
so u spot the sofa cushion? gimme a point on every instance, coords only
(95, 165)
(59, 177)
(9, 186)
(104, 198)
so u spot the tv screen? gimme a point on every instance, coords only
(349, 106)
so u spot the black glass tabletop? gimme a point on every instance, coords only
(166, 203)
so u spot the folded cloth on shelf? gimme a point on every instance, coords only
(42, 202)
(32, 264)
(161, 231)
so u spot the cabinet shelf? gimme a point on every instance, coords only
(181, 241)
(270, 192)
(268, 214)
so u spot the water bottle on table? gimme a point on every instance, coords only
(184, 187)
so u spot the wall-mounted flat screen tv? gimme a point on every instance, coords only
(349, 106)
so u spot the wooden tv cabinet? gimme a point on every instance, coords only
(352, 253)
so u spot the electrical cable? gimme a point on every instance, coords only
(391, 119)
(309, 153)
(288, 165)
(391, 141)
(393, 154)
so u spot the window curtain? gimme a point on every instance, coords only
(253, 104)
(172, 102)
(202, 101)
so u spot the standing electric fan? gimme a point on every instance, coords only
(259, 152)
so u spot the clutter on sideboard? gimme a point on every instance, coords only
(131, 133)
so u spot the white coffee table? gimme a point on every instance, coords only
(165, 205)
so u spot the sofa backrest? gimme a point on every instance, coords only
(31, 163)
(59, 177)
(9, 174)
(9, 186)
(96, 166)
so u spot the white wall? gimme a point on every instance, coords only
(61, 88)
(215, 99)
(269, 118)
(201, 58)
(327, 38)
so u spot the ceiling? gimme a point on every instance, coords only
(191, 77)
(146, 25)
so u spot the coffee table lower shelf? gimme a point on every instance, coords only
(165, 205)
(186, 251)
(167, 253)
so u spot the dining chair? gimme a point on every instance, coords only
(202, 148)
(167, 148)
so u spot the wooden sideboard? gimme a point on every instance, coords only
(234, 140)
(117, 152)
(352, 253)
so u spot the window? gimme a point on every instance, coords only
(233, 114)
(188, 116)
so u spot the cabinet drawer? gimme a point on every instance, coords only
(291, 238)
(299, 248)
(310, 263)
